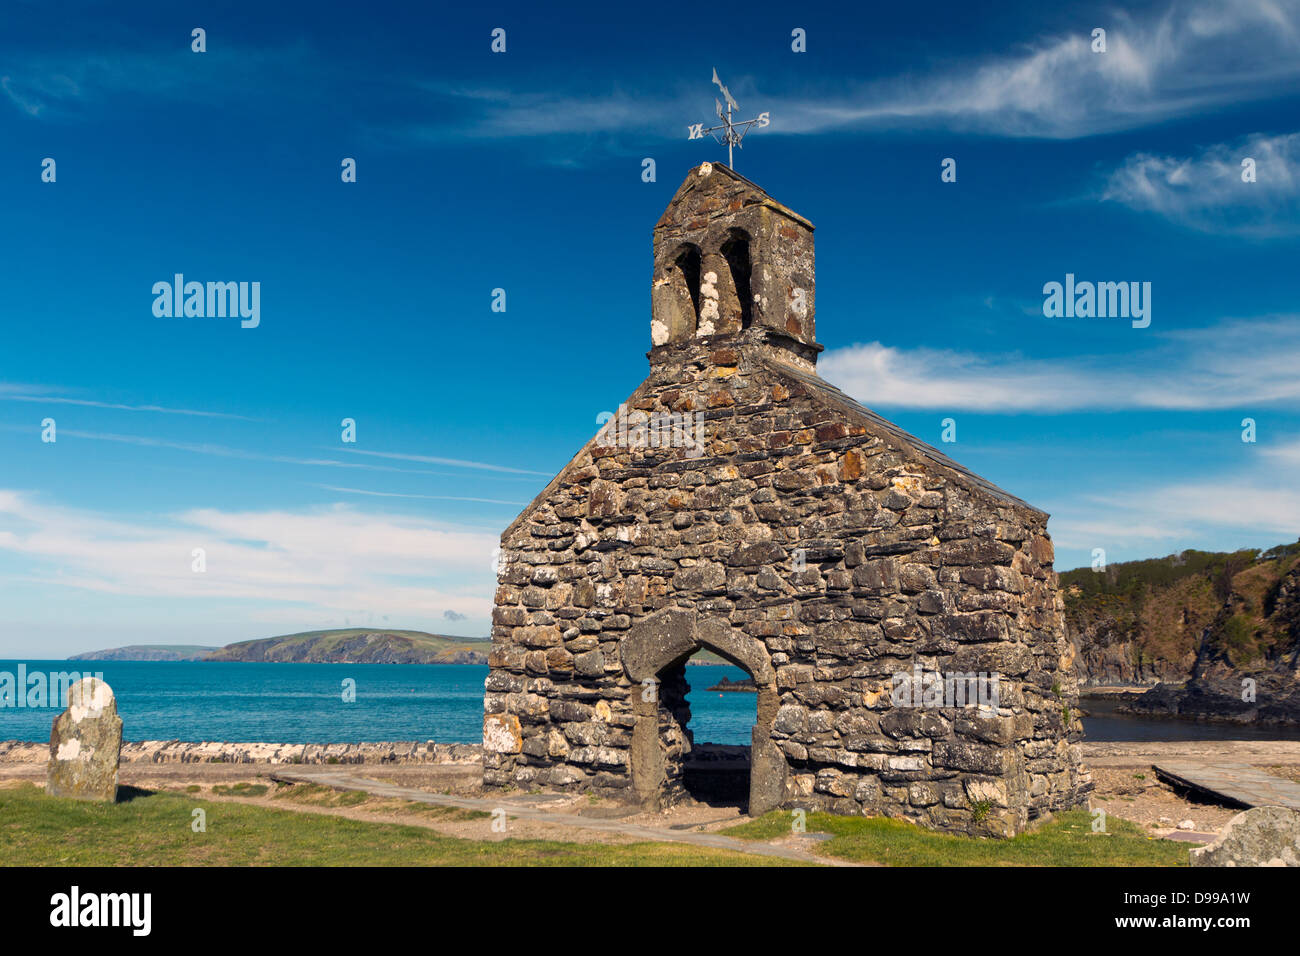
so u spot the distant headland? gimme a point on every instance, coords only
(341, 646)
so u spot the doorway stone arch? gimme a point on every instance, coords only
(667, 637)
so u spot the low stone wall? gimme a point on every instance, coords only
(178, 751)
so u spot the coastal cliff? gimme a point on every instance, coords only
(345, 646)
(149, 652)
(1195, 627)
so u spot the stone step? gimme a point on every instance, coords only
(1235, 783)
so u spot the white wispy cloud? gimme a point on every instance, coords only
(19, 388)
(1286, 454)
(1188, 58)
(1205, 191)
(455, 462)
(1255, 500)
(20, 394)
(1237, 364)
(226, 451)
(332, 558)
(501, 112)
(1159, 64)
(49, 85)
(396, 494)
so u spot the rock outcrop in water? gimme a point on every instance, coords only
(726, 684)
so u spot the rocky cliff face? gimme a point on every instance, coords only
(1196, 627)
(1109, 654)
(1130, 630)
(1247, 667)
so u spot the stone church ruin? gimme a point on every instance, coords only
(898, 614)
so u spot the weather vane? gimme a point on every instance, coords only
(732, 132)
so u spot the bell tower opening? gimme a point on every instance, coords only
(688, 264)
(736, 251)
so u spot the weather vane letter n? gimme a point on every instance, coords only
(732, 132)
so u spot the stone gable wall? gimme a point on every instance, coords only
(905, 563)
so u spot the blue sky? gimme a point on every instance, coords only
(522, 171)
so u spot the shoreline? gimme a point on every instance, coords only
(213, 751)
(1114, 690)
(1100, 753)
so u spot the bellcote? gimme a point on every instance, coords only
(730, 261)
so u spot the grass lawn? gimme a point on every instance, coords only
(1067, 840)
(154, 830)
(312, 794)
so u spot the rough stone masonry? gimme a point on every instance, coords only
(739, 503)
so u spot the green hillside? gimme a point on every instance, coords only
(149, 652)
(358, 646)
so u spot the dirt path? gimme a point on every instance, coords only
(520, 809)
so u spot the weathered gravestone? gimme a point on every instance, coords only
(1261, 836)
(85, 744)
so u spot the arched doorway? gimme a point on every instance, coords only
(653, 652)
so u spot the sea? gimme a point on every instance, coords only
(352, 703)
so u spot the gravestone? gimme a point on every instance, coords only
(1261, 836)
(86, 744)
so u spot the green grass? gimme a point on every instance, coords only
(313, 794)
(1067, 840)
(154, 830)
(447, 814)
(242, 789)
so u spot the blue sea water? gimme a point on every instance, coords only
(303, 703)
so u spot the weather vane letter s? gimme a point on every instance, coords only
(732, 132)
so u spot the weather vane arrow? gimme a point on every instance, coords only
(732, 132)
